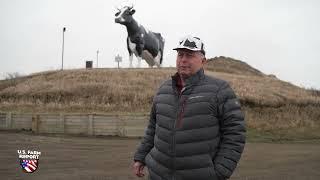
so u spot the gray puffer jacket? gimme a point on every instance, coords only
(196, 135)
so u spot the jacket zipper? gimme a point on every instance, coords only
(179, 122)
(174, 131)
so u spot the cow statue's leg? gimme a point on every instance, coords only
(139, 49)
(129, 44)
(157, 59)
(139, 62)
(130, 60)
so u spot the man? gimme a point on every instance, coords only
(196, 129)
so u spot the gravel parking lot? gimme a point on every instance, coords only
(110, 158)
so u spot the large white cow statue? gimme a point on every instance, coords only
(144, 44)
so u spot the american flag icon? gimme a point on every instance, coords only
(29, 165)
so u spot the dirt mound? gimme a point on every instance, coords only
(233, 66)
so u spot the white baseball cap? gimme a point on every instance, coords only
(192, 43)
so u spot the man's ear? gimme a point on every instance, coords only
(204, 60)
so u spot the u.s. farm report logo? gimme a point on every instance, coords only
(29, 160)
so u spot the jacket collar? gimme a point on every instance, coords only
(192, 80)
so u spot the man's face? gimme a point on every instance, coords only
(189, 62)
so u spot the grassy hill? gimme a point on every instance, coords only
(271, 106)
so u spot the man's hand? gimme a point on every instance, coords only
(138, 169)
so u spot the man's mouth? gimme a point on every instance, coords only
(184, 67)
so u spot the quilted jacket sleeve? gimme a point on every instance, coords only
(232, 129)
(147, 142)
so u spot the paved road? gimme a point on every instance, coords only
(110, 158)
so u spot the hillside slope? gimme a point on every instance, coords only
(232, 66)
(113, 89)
(268, 102)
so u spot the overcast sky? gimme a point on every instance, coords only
(279, 37)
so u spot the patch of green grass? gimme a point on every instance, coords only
(284, 135)
(254, 135)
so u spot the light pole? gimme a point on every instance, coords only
(118, 59)
(97, 58)
(63, 30)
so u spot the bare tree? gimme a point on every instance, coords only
(10, 76)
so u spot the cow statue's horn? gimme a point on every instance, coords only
(116, 7)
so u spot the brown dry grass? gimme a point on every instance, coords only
(98, 90)
(269, 103)
(267, 91)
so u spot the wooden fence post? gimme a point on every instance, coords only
(35, 123)
(9, 120)
(90, 125)
(62, 123)
(120, 125)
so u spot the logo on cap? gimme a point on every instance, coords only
(187, 43)
(191, 43)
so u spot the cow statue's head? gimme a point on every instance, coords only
(124, 15)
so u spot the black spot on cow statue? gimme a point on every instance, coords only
(143, 43)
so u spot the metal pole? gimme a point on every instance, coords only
(97, 58)
(63, 30)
